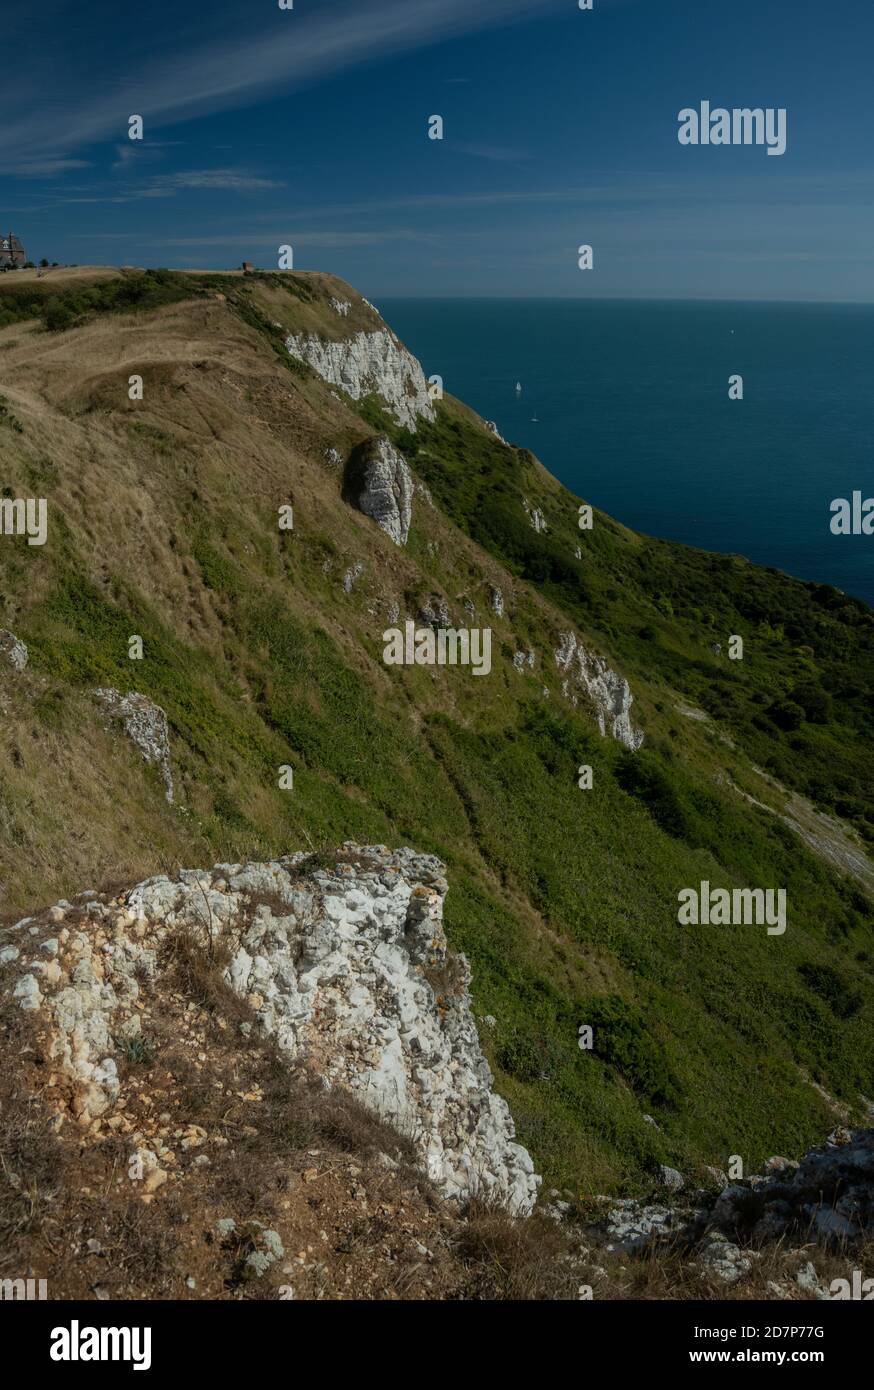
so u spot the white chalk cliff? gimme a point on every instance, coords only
(386, 487)
(608, 692)
(369, 362)
(345, 966)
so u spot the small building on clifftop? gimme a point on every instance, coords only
(12, 254)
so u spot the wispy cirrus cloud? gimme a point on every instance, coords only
(168, 185)
(132, 152)
(235, 180)
(280, 53)
(46, 168)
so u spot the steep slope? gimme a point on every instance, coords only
(264, 647)
(264, 1081)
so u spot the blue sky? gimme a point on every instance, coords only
(309, 127)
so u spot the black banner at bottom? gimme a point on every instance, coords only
(63, 1339)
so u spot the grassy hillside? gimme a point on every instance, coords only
(163, 524)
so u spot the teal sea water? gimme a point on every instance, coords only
(633, 414)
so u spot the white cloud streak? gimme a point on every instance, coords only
(294, 49)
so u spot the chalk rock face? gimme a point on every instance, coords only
(346, 966)
(493, 429)
(609, 693)
(353, 572)
(435, 612)
(369, 362)
(381, 485)
(145, 724)
(12, 650)
(522, 659)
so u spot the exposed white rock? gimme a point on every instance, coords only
(535, 516)
(493, 429)
(341, 307)
(633, 1225)
(354, 572)
(496, 599)
(671, 1177)
(609, 693)
(145, 724)
(807, 1279)
(347, 968)
(723, 1259)
(369, 362)
(382, 487)
(27, 992)
(333, 456)
(523, 659)
(436, 612)
(12, 650)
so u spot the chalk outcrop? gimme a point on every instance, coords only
(535, 516)
(346, 967)
(12, 650)
(381, 485)
(369, 363)
(145, 724)
(608, 692)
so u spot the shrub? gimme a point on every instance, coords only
(622, 1039)
(786, 714)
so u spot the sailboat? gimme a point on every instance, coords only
(534, 420)
(518, 386)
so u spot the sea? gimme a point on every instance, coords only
(627, 403)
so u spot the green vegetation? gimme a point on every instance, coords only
(564, 901)
(801, 702)
(61, 305)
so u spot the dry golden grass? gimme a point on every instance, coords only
(224, 436)
(84, 274)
